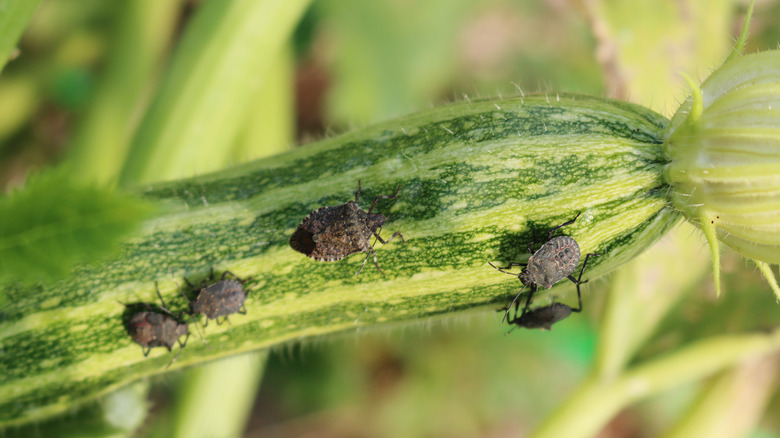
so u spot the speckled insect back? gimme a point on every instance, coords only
(329, 234)
(555, 260)
(220, 298)
(152, 329)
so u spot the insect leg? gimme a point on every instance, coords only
(146, 353)
(549, 234)
(183, 344)
(376, 263)
(160, 295)
(513, 303)
(184, 295)
(393, 196)
(174, 359)
(224, 274)
(364, 264)
(165, 309)
(579, 299)
(531, 292)
(579, 281)
(201, 337)
(376, 234)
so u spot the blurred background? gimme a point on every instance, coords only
(350, 63)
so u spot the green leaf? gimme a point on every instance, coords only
(53, 223)
(14, 17)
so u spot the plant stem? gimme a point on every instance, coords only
(596, 402)
(143, 35)
(640, 295)
(215, 398)
(225, 53)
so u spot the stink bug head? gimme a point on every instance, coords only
(303, 241)
(374, 222)
(182, 329)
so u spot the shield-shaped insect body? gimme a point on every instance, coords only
(555, 260)
(329, 234)
(218, 298)
(152, 328)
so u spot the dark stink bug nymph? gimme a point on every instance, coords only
(220, 298)
(555, 260)
(332, 233)
(152, 328)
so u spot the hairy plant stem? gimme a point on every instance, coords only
(479, 180)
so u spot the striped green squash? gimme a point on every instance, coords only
(478, 178)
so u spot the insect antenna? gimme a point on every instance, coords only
(393, 196)
(502, 269)
(200, 334)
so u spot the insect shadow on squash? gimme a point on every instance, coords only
(219, 298)
(153, 326)
(329, 234)
(555, 260)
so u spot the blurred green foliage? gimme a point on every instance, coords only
(359, 62)
(54, 223)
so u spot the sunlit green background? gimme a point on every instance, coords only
(353, 62)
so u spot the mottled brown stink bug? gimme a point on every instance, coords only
(555, 260)
(220, 298)
(332, 233)
(152, 328)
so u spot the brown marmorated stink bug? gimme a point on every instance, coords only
(329, 234)
(555, 260)
(220, 298)
(152, 328)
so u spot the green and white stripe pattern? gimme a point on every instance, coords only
(478, 178)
